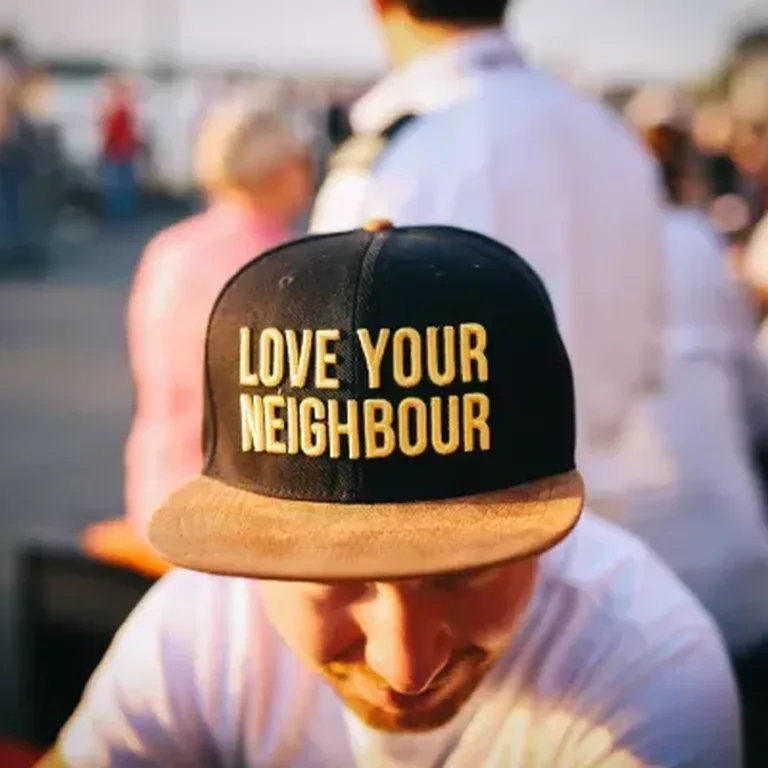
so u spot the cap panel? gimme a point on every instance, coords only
(270, 328)
(436, 370)
(449, 295)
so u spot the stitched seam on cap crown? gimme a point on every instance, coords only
(208, 391)
(364, 279)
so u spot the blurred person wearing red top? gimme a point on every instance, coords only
(256, 176)
(119, 149)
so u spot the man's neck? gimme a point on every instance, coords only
(409, 40)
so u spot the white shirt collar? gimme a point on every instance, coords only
(433, 80)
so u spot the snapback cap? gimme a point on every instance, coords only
(379, 404)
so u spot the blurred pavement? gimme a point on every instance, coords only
(65, 402)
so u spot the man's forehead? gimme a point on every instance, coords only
(413, 581)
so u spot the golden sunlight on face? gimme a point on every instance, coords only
(404, 656)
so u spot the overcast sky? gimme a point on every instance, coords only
(602, 37)
(649, 37)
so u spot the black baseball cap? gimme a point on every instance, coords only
(379, 404)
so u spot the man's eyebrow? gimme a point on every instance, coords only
(459, 574)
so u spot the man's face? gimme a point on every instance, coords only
(403, 655)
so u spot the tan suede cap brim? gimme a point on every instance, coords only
(210, 526)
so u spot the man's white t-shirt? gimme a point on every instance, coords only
(615, 665)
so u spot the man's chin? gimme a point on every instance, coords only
(397, 714)
(405, 721)
(368, 696)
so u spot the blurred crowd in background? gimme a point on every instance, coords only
(107, 147)
(103, 144)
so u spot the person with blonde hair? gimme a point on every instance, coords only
(255, 176)
(709, 526)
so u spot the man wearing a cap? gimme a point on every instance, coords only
(385, 530)
(254, 173)
(464, 132)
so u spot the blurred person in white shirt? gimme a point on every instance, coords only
(710, 525)
(754, 274)
(487, 143)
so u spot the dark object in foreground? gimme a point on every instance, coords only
(71, 607)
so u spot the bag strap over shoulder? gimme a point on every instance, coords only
(362, 152)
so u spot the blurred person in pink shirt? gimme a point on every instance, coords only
(256, 176)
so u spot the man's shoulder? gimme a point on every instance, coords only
(188, 254)
(557, 113)
(618, 644)
(185, 648)
(182, 604)
(208, 589)
(168, 255)
(621, 586)
(523, 117)
(689, 233)
(180, 237)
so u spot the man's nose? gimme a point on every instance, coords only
(407, 643)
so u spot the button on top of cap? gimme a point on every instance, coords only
(378, 225)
